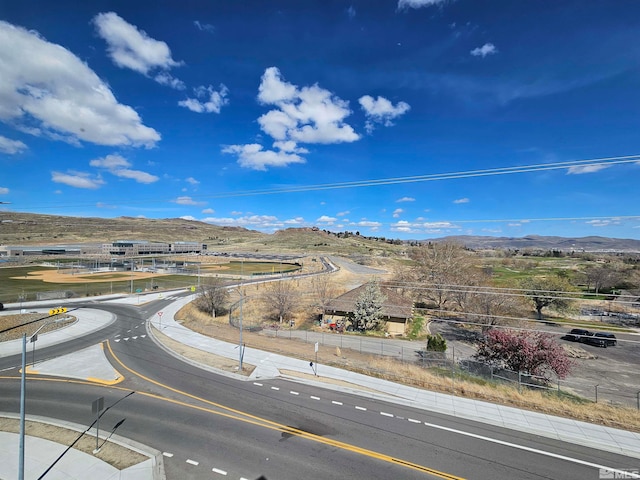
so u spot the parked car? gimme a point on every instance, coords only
(596, 341)
(578, 335)
(608, 338)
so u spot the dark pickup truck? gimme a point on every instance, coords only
(578, 335)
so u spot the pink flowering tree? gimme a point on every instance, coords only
(533, 353)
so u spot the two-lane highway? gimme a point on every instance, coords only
(207, 424)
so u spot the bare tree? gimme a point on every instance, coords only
(490, 306)
(213, 297)
(324, 290)
(601, 276)
(438, 266)
(282, 299)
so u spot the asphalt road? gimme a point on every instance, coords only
(286, 430)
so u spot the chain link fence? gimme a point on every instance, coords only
(459, 365)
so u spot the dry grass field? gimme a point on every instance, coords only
(415, 375)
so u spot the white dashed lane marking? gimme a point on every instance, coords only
(361, 408)
(275, 388)
(192, 462)
(336, 403)
(314, 398)
(217, 470)
(294, 393)
(167, 454)
(386, 414)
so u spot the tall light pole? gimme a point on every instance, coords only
(23, 384)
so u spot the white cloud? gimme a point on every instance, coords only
(342, 214)
(4, 191)
(204, 27)
(402, 4)
(131, 48)
(381, 111)
(483, 51)
(188, 217)
(11, 147)
(45, 85)
(603, 222)
(252, 221)
(187, 201)
(368, 223)
(214, 100)
(253, 156)
(461, 200)
(303, 115)
(110, 162)
(77, 180)
(423, 227)
(118, 166)
(295, 221)
(351, 12)
(192, 181)
(405, 199)
(580, 169)
(137, 175)
(168, 80)
(208, 211)
(397, 212)
(325, 219)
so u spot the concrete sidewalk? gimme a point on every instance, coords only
(270, 365)
(74, 465)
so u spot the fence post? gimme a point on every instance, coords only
(638, 399)
(360, 344)
(519, 382)
(596, 393)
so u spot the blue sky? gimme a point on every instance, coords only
(395, 118)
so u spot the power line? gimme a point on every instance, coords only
(605, 162)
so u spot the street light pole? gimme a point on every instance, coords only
(23, 383)
(240, 346)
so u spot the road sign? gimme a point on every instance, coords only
(193, 289)
(97, 405)
(56, 311)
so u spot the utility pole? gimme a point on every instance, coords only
(23, 385)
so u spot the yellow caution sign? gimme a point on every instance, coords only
(56, 311)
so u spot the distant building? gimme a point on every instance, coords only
(397, 310)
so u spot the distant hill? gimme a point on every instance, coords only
(578, 244)
(36, 229)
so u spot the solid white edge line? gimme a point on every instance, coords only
(217, 470)
(534, 450)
